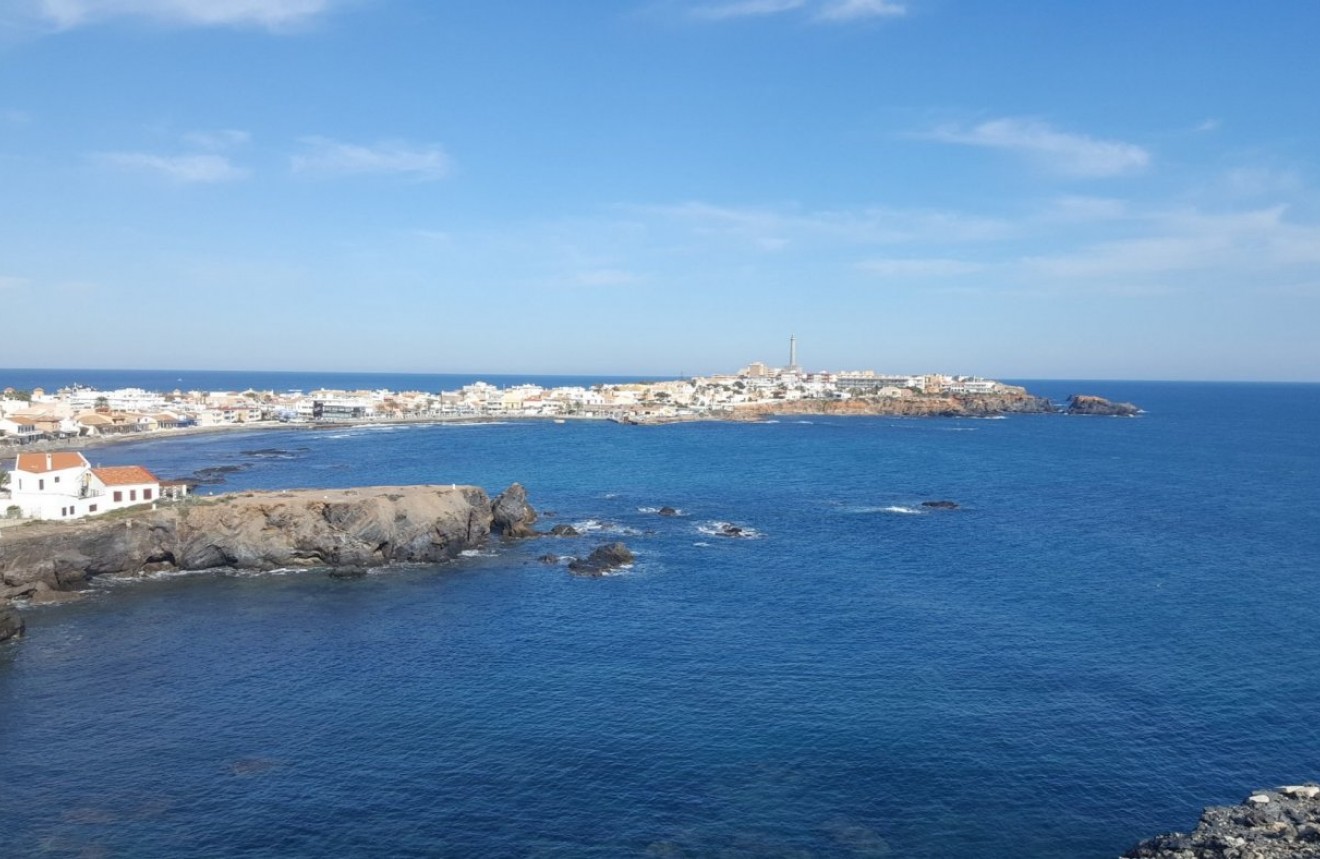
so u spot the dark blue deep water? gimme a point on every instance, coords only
(1118, 627)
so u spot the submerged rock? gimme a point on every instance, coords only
(511, 516)
(564, 531)
(940, 505)
(549, 558)
(1269, 824)
(11, 624)
(348, 573)
(1084, 404)
(667, 511)
(602, 559)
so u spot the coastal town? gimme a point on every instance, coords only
(79, 412)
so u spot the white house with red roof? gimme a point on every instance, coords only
(63, 485)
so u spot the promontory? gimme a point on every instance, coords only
(338, 528)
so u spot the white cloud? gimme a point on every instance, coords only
(269, 14)
(182, 169)
(1208, 125)
(856, 10)
(745, 9)
(225, 138)
(919, 268)
(326, 157)
(1062, 152)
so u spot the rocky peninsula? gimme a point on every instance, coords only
(338, 528)
(1269, 824)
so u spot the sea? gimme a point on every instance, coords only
(1116, 627)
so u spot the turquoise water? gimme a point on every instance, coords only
(1115, 629)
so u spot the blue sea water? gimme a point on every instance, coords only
(1116, 628)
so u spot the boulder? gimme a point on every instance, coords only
(11, 624)
(511, 516)
(602, 559)
(564, 531)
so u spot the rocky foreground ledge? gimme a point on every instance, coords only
(1269, 824)
(338, 528)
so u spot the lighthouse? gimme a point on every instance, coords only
(792, 353)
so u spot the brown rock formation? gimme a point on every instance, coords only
(339, 528)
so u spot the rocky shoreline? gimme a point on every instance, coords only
(44, 562)
(1270, 824)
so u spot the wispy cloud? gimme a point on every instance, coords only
(1192, 241)
(745, 9)
(919, 268)
(1062, 152)
(225, 138)
(181, 169)
(856, 10)
(325, 157)
(267, 14)
(831, 11)
(605, 277)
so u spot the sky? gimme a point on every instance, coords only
(1105, 190)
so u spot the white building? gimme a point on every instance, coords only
(65, 486)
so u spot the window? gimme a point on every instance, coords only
(91, 508)
(119, 496)
(41, 483)
(57, 478)
(146, 495)
(132, 495)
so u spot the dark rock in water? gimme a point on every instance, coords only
(564, 531)
(1269, 824)
(275, 453)
(940, 505)
(512, 516)
(213, 475)
(728, 529)
(549, 559)
(11, 624)
(1084, 404)
(667, 511)
(602, 559)
(347, 573)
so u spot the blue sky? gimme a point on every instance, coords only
(1034, 189)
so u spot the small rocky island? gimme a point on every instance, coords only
(1269, 824)
(344, 529)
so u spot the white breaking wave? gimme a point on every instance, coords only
(718, 528)
(896, 508)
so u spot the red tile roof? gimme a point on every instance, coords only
(124, 475)
(40, 463)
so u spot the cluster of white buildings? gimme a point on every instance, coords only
(79, 412)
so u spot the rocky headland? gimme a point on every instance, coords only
(343, 529)
(1269, 824)
(1010, 401)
